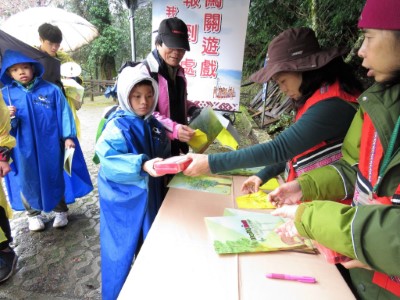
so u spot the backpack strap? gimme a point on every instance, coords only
(153, 75)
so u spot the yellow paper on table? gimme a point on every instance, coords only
(270, 185)
(226, 139)
(257, 200)
(198, 141)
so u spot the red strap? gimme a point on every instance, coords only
(386, 282)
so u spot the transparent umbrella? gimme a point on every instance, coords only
(76, 30)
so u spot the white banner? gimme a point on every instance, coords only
(217, 32)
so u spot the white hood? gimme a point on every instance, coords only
(127, 79)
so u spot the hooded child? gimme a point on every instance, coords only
(43, 126)
(130, 192)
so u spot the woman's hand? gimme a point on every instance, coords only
(185, 133)
(251, 185)
(286, 211)
(287, 231)
(355, 264)
(148, 167)
(198, 166)
(287, 194)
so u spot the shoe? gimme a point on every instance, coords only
(36, 223)
(8, 262)
(61, 219)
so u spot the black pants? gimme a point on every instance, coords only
(5, 226)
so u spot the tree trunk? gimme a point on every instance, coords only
(107, 67)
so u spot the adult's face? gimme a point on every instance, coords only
(49, 47)
(289, 83)
(380, 53)
(171, 56)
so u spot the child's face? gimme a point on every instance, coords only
(141, 99)
(21, 72)
(380, 54)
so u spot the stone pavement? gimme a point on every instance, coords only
(62, 264)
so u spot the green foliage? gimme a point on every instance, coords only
(335, 24)
(113, 46)
(285, 120)
(143, 31)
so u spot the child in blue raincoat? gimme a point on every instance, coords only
(130, 190)
(43, 126)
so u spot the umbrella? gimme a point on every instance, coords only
(76, 30)
(51, 64)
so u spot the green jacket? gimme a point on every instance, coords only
(369, 233)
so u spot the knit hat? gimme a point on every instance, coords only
(380, 14)
(174, 33)
(295, 50)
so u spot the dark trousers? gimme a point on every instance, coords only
(61, 207)
(5, 226)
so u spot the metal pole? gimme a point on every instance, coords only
(264, 97)
(132, 23)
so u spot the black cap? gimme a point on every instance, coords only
(174, 33)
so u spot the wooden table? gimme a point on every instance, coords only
(178, 262)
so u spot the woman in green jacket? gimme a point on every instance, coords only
(367, 232)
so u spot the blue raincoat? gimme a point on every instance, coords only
(43, 121)
(129, 197)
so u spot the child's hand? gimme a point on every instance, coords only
(12, 110)
(4, 168)
(69, 143)
(148, 166)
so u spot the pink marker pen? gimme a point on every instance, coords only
(305, 279)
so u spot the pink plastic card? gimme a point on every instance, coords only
(172, 165)
(331, 256)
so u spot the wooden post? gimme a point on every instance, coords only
(91, 89)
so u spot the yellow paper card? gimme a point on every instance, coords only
(198, 141)
(270, 185)
(226, 139)
(257, 200)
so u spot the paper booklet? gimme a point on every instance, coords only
(240, 231)
(68, 156)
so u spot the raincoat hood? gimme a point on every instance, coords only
(11, 58)
(128, 77)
